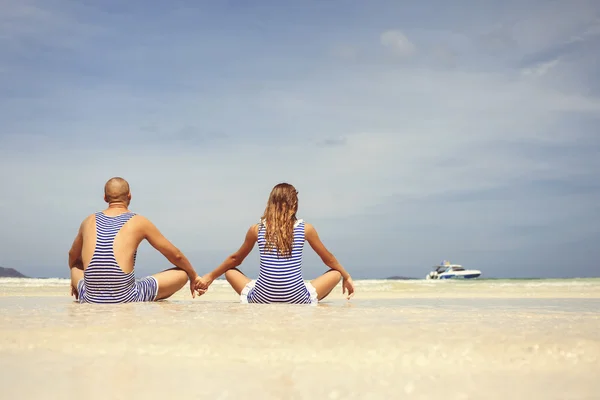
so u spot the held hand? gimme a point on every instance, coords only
(348, 285)
(199, 285)
(205, 282)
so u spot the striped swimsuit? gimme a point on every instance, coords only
(104, 281)
(280, 279)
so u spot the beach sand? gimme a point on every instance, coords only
(486, 339)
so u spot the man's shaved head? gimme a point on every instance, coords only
(116, 190)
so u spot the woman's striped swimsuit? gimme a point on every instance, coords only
(104, 281)
(280, 279)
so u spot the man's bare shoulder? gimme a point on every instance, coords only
(142, 223)
(140, 219)
(89, 219)
(144, 227)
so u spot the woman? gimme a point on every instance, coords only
(280, 236)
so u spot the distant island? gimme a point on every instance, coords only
(10, 273)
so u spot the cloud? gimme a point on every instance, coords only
(26, 23)
(203, 119)
(541, 68)
(591, 31)
(541, 26)
(333, 142)
(397, 43)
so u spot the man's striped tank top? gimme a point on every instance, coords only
(104, 281)
(280, 279)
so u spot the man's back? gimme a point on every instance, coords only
(125, 243)
(114, 238)
(102, 257)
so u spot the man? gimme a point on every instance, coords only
(102, 256)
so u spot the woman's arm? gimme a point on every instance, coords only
(236, 258)
(329, 259)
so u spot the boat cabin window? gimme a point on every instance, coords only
(446, 268)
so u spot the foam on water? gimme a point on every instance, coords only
(29, 282)
(374, 284)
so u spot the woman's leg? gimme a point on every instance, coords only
(326, 282)
(237, 279)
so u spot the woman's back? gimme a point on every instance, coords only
(280, 278)
(280, 236)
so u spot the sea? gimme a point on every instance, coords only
(395, 339)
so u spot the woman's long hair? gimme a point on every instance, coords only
(279, 218)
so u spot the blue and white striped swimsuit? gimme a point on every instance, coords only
(280, 279)
(103, 280)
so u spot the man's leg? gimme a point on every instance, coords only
(170, 282)
(76, 276)
(325, 283)
(237, 279)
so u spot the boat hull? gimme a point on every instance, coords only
(464, 276)
(454, 275)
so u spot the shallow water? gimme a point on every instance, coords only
(486, 339)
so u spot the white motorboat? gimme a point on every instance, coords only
(446, 270)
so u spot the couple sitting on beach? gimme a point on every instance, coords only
(102, 256)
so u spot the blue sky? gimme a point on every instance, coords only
(414, 131)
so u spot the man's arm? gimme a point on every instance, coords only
(75, 260)
(167, 249)
(236, 258)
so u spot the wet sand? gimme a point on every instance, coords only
(395, 339)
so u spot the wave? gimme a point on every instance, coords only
(370, 284)
(33, 282)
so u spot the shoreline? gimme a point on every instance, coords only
(380, 279)
(586, 288)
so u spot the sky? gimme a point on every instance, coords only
(413, 131)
